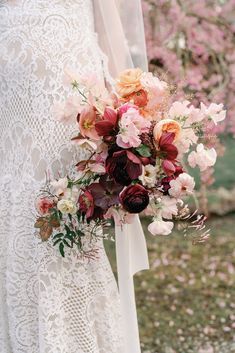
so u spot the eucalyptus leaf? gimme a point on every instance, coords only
(144, 150)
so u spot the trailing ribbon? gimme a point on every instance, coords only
(132, 257)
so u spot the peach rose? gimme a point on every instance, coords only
(129, 82)
(166, 125)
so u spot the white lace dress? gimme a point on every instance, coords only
(47, 304)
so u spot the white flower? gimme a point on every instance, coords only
(183, 185)
(67, 206)
(169, 207)
(186, 139)
(148, 176)
(214, 111)
(202, 157)
(160, 227)
(59, 186)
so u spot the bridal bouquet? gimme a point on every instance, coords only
(138, 143)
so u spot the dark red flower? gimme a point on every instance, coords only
(123, 166)
(86, 203)
(166, 147)
(105, 193)
(108, 124)
(134, 198)
(165, 184)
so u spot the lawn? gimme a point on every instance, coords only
(186, 302)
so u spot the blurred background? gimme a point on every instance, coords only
(186, 302)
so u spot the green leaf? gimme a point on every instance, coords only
(144, 150)
(61, 248)
(58, 235)
(70, 237)
(67, 243)
(57, 241)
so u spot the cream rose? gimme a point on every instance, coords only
(166, 125)
(66, 206)
(129, 82)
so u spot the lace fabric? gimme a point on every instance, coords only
(47, 304)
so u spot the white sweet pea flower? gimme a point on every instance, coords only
(148, 176)
(202, 157)
(179, 109)
(214, 111)
(160, 227)
(59, 186)
(66, 206)
(169, 207)
(183, 185)
(186, 139)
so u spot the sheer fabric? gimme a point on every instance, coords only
(47, 304)
(119, 24)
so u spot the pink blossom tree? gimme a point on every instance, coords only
(192, 45)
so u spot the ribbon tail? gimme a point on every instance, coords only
(132, 256)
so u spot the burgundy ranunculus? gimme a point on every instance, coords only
(123, 166)
(134, 198)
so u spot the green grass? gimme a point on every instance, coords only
(187, 299)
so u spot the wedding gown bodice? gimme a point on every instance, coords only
(39, 38)
(47, 304)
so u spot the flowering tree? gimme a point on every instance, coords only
(192, 43)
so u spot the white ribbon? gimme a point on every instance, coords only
(132, 257)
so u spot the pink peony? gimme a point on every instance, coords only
(202, 157)
(183, 185)
(125, 107)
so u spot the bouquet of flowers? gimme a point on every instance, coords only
(138, 142)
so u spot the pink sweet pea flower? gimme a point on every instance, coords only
(87, 122)
(183, 185)
(214, 112)
(202, 157)
(132, 124)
